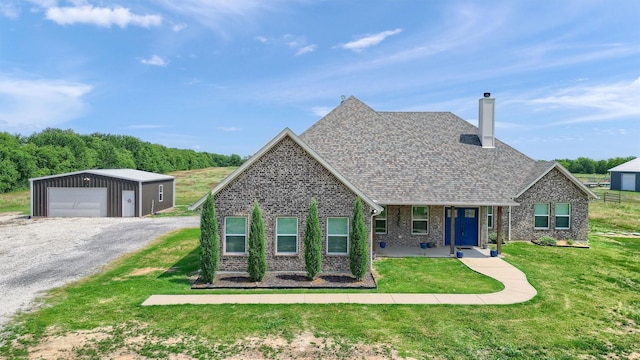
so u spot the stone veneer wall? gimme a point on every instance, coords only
(399, 227)
(552, 188)
(283, 181)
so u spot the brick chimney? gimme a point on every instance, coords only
(487, 122)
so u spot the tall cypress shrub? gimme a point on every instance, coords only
(313, 242)
(209, 246)
(358, 251)
(257, 261)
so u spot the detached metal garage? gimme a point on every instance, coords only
(102, 193)
(626, 177)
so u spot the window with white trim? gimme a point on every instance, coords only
(563, 216)
(381, 221)
(541, 216)
(160, 192)
(338, 235)
(235, 235)
(419, 220)
(286, 235)
(489, 217)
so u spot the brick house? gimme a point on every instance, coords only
(411, 170)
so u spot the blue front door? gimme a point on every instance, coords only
(466, 227)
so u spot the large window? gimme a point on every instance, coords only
(563, 216)
(541, 216)
(490, 217)
(286, 235)
(381, 221)
(419, 220)
(160, 192)
(338, 235)
(235, 235)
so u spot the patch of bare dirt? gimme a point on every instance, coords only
(86, 344)
(144, 271)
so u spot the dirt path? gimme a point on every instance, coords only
(40, 254)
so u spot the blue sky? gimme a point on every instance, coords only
(227, 76)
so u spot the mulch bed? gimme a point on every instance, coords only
(287, 280)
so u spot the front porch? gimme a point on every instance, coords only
(439, 252)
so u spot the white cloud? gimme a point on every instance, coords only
(232, 128)
(604, 102)
(321, 110)
(178, 27)
(369, 40)
(262, 39)
(100, 16)
(40, 103)
(9, 10)
(154, 60)
(306, 49)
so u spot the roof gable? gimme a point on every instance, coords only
(544, 168)
(286, 133)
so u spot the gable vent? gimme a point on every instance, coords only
(486, 121)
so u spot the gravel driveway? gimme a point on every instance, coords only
(41, 254)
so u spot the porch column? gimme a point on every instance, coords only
(452, 230)
(499, 229)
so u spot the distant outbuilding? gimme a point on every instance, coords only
(626, 177)
(102, 193)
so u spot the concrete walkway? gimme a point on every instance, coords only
(516, 290)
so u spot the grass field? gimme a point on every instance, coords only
(587, 307)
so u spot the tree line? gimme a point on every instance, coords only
(583, 165)
(56, 151)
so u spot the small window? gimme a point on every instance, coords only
(160, 192)
(338, 235)
(541, 216)
(490, 217)
(381, 221)
(563, 216)
(419, 220)
(235, 235)
(286, 235)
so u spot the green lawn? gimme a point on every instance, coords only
(588, 307)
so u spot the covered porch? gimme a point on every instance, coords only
(438, 252)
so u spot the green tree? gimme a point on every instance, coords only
(257, 262)
(313, 242)
(358, 251)
(209, 246)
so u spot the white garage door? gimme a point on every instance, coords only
(629, 182)
(77, 202)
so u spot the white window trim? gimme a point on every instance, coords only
(160, 193)
(548, 216)
(296, 235)
(224, 244)
(427, 220)
(381, 219)
(490, 216)
(567, 216)
(348, 240)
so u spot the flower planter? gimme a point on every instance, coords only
(459, 254)
(493, 253)
(423, 245)
(430, 245)
(383, 244)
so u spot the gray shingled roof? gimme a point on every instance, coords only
(418, 157)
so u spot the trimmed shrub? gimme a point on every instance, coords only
(547, 241)
(358, 251)
(313, 243)
(493, 237)
(257, 260)
(209, 245)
